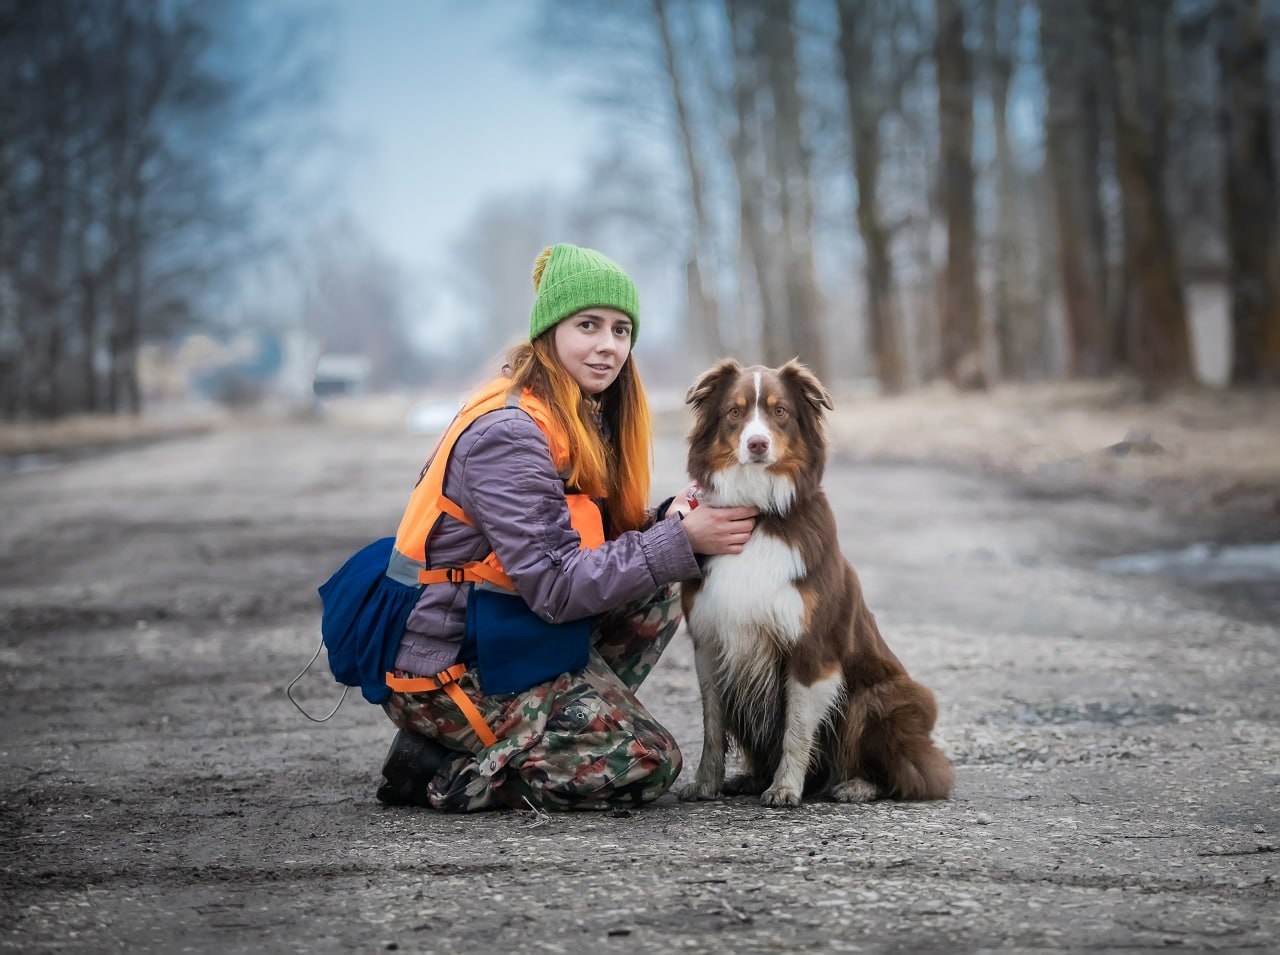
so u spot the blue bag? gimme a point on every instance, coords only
(363, 619)
(514, 649)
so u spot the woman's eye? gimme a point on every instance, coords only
(622, 331)
(587, 325)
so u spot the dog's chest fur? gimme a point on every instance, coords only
(749, 602)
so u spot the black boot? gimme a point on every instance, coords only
(412, 762)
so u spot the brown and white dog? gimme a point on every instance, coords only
(790, 662)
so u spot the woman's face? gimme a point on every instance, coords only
(593, 345)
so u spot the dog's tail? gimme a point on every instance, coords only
(920, 775)
(898, 743)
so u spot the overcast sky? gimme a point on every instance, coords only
(436, 111)
(442, 104)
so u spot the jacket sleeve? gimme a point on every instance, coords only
(512, 492)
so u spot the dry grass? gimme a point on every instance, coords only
(1191, 451)
(86, 432)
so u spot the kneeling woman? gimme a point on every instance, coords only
(548, 587)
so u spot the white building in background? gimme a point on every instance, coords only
(339, 374)
(1209, 321)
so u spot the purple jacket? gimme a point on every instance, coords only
(502, 477)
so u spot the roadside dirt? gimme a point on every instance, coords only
(1116, 736)
(1204, 458)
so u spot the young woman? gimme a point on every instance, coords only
(547, 586)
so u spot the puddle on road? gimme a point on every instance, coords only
(22, 463)
(1247, 576)
(1211, 563)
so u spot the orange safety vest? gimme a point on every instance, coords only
(408, 562)
(428, 504)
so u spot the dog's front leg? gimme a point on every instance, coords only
(807, 707)
(708, 780)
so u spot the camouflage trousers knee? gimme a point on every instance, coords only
(580, 741)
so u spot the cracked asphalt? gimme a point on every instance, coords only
(1115, 736)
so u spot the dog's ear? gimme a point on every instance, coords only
(806, 385)
(709, 381)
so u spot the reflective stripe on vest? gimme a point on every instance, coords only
(428, 503)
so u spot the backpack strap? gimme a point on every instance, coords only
(446, 680)
(475, 572)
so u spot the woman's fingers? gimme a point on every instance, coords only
(719, 530)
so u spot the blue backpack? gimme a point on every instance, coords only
(363, 616)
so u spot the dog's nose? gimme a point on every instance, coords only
(758, 445)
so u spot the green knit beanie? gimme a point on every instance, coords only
(567, 279)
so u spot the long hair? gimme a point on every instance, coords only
(617, 471)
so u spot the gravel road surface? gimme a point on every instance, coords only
(1116, 737)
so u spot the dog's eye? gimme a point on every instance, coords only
(735, 413)
(779, 412)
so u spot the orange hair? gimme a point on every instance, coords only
(618, 472)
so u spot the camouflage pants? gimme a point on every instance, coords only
(580, 741)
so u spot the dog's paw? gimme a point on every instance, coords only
(780, 796)
(742, 784)
(698, 790)
(855, 790)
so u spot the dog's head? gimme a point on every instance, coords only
(758, 434)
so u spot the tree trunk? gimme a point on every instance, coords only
(89, 338)
(1011, 317)
(795, 192)
(960, 323)
(1156, 321)
(704, 303)
(1250, 195)
(754, 247)
(865, 115)
(50, 300)
(1071, 155)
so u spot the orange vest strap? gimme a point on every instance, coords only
(492, 575)
(447, 506)
(472, 573)
(472, 714)
(428, 502)
(419, 684)
(447, 680)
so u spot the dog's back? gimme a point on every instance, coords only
(783, 637)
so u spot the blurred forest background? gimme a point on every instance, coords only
(900, 191)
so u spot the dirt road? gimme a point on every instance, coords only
(1117, 738)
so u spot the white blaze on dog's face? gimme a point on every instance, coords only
(758, 433)
(755, 444)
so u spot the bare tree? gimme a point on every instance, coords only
(1250, 195)
(959, 311)
(354, 298)
(794, 187)
(752, 168)
(704, 300)
(1071, 67)
(758, 120)
(1158, 342)
(869, 98)
(491, 269)
(124, 150)
(1016, 334)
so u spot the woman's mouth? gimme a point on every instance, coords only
(600, 369)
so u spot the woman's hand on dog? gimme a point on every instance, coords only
(719, 530)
